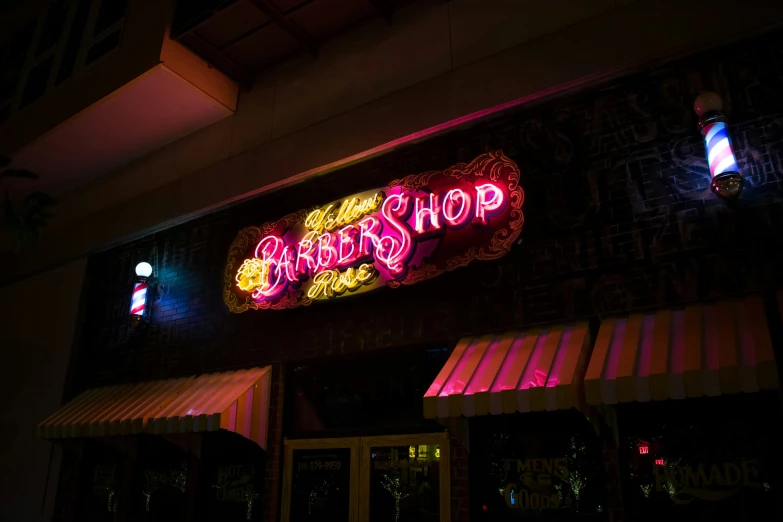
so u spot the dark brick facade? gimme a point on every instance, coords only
(460, 480)
(618, 217)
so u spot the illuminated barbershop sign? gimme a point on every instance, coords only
(418, 227)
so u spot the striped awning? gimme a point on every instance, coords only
(236, 401)
(702, 350)
(530, 370)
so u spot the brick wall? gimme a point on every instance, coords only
(618, 213)
(274, 446)
(614, 497)
(460, 480)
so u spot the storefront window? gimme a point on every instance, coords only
(160, 480)
(231, 477)
(705, 459)
(103, 469)
(377, 393)
(536, 466)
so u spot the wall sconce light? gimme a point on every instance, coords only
(726, 182)
(139, 298)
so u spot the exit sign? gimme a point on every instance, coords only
(644, 450)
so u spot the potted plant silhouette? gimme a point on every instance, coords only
(23, 218)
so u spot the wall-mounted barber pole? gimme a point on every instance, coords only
(727, 182)
(139, 298)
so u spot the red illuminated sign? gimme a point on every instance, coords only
(418, 227)
(659, 462)
(644, 450)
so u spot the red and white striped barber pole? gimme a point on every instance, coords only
(139, 298)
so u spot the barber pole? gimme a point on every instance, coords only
(726, 180)
(139, 298)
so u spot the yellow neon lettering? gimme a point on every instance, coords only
(341, 282)
(350, 210)
(366, 273)
(321, 284)
(333, 283)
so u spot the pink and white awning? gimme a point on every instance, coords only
(529, 370)
(236, 401)
(705, 349)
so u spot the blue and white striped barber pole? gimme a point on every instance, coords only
(726, 181)
(720, 155)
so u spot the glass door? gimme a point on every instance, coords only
(395, 478)
(321, 480)
(405, 478)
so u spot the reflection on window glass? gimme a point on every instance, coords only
(320, 485)
(53, 26)
(74, 41)
(362, 392)
(526, 467)
(110, 12)
(108, 44)
(405, 483)
(14, 54)
(710, 459)
(37, 80)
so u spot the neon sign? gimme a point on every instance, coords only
(418, 227)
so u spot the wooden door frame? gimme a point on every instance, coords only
(352, 443)
(441, 439)
(359, 494)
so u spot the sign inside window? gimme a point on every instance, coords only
(320, 484)
(711, 482)
(537, 485)
(235, 483)
(548, 471)
(416, 228)
(711, 459)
